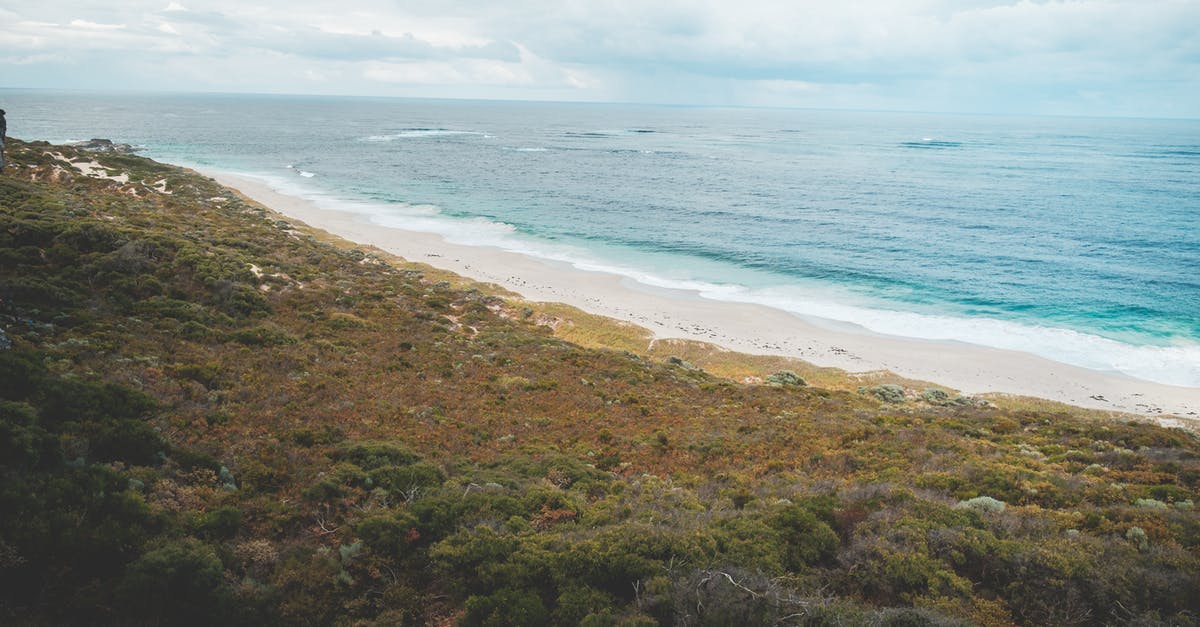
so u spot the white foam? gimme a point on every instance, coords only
(418, 133)
(1173, 365)
(466, 231)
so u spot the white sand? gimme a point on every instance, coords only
(93, 169)
(673, 313)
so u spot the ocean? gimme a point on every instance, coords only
(1077, 239)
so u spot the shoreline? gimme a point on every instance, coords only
(743, 327)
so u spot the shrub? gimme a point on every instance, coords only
(130, 441)
(221, 523)
(88, 237)
(807, 539)
(323, 491)
(389, 535)
(983, 504)
(182, 583)
(729, 597)
(262, 336)
(785, 377)
(81, 402)
(407, 481)
(518, 608)
(372, 455)
(23, 443)
(1137, 536)
(888, 393)
(578, 605)
(935, 396)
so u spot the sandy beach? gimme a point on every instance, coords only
(674, 313)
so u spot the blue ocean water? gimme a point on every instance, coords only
(1074, 238)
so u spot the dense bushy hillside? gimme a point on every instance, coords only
(208, 415)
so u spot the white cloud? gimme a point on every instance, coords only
(917, 54)
(86, 25)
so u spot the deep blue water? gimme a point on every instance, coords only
(1074, 238)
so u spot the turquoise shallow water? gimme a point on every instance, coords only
(1077, 239)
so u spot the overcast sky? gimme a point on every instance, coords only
(1088, 57)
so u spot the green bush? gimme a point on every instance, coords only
(89, 237)
(221, 523)
(24, 444)
(508, 607)
(390, 534)
(130, 441)
(180, 583)
(76, 401)
(807, 539)
(372, 455)
(579, 605)
(408, 481)
(262, 336)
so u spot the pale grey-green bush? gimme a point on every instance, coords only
(785, 377)
(983, 504)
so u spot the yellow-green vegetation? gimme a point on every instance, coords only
(209, 416)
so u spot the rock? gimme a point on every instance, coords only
(103, 145)
(785, 377)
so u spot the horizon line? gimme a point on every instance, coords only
(149, 91)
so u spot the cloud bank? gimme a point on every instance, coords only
(1097, 57)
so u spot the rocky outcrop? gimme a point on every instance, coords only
(103, 145)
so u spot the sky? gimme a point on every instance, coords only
(1136, 58)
